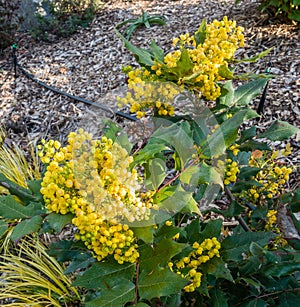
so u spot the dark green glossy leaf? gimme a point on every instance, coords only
(247, 134)
(157, 256)
(26, 227)
(234, 246)
(246, 92)
(161, 282)
(156, 173)
(11, 209)
(200, 35)
(279, 131)
(248, 172)
(144, 233)
(218, 298)
(105, 275)
(58, 221)
(3, 227)
(116, 296)
(79, 262)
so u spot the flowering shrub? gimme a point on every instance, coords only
(176, 222)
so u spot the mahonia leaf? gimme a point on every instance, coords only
(160, 282)
(105, 275)
(244, 94)
(279, 131)
(119, 294)
(26, 227)
(158, 255)
(226, 134)
(11, 209)
(58, 221)
(157, 173)
(233, 247)
(200, 35)
(3, 227)
(142, 56)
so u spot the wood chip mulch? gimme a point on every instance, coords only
(88, 64)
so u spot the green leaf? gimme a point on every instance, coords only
(226, 134)
(66, 250)
(234, 246)
(184, 65)
(25, 195)
(142, 56)
(105, 275)
(114, 132)
(58, 221)
(247, 134)
(228, 98)
(160, 282)
(282, 269)
(11, 209)
(157, 173)
(157, 52)
(295, 201)
(200, 35)
(225, 72)
(254, 145)
(246, 92)
(26, 227)
(257, 302)
(157, 256)
(234, 209)
(218, 268)
(3, 227)
(256, 57)
(218, 298)
(80, 261)
(144, 233)
(279, 131)
(116, 296)
(248, 172)
(35, 187)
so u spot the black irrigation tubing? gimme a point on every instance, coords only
(92, 103)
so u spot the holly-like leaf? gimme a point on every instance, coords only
(234, 246)
(279, 131)
(227, 98)
(256, 57)
(144, 233)
(80, 261)
(246, 92)
(226, 134)
(160, 282)
(3, 227)
(142, 56)
(247, 134)
(218, 298)
(58, 221)
(157, 173)
(11, 209)
(200, 35)
(157, 256)
(157, 52)
(26, 227)
(117, 295)
(248, 172)
(66, 250)
(105, 275)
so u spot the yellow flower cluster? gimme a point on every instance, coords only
(222, 40)
(202, 253)
(272, 176)
(90, 178)
(146, 93)
(272, 219)
(231, 172)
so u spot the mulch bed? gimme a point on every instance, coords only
(88, 64)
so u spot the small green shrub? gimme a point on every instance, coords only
(63, 18)
(9, 21)
(288, 8)
(283, 8)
